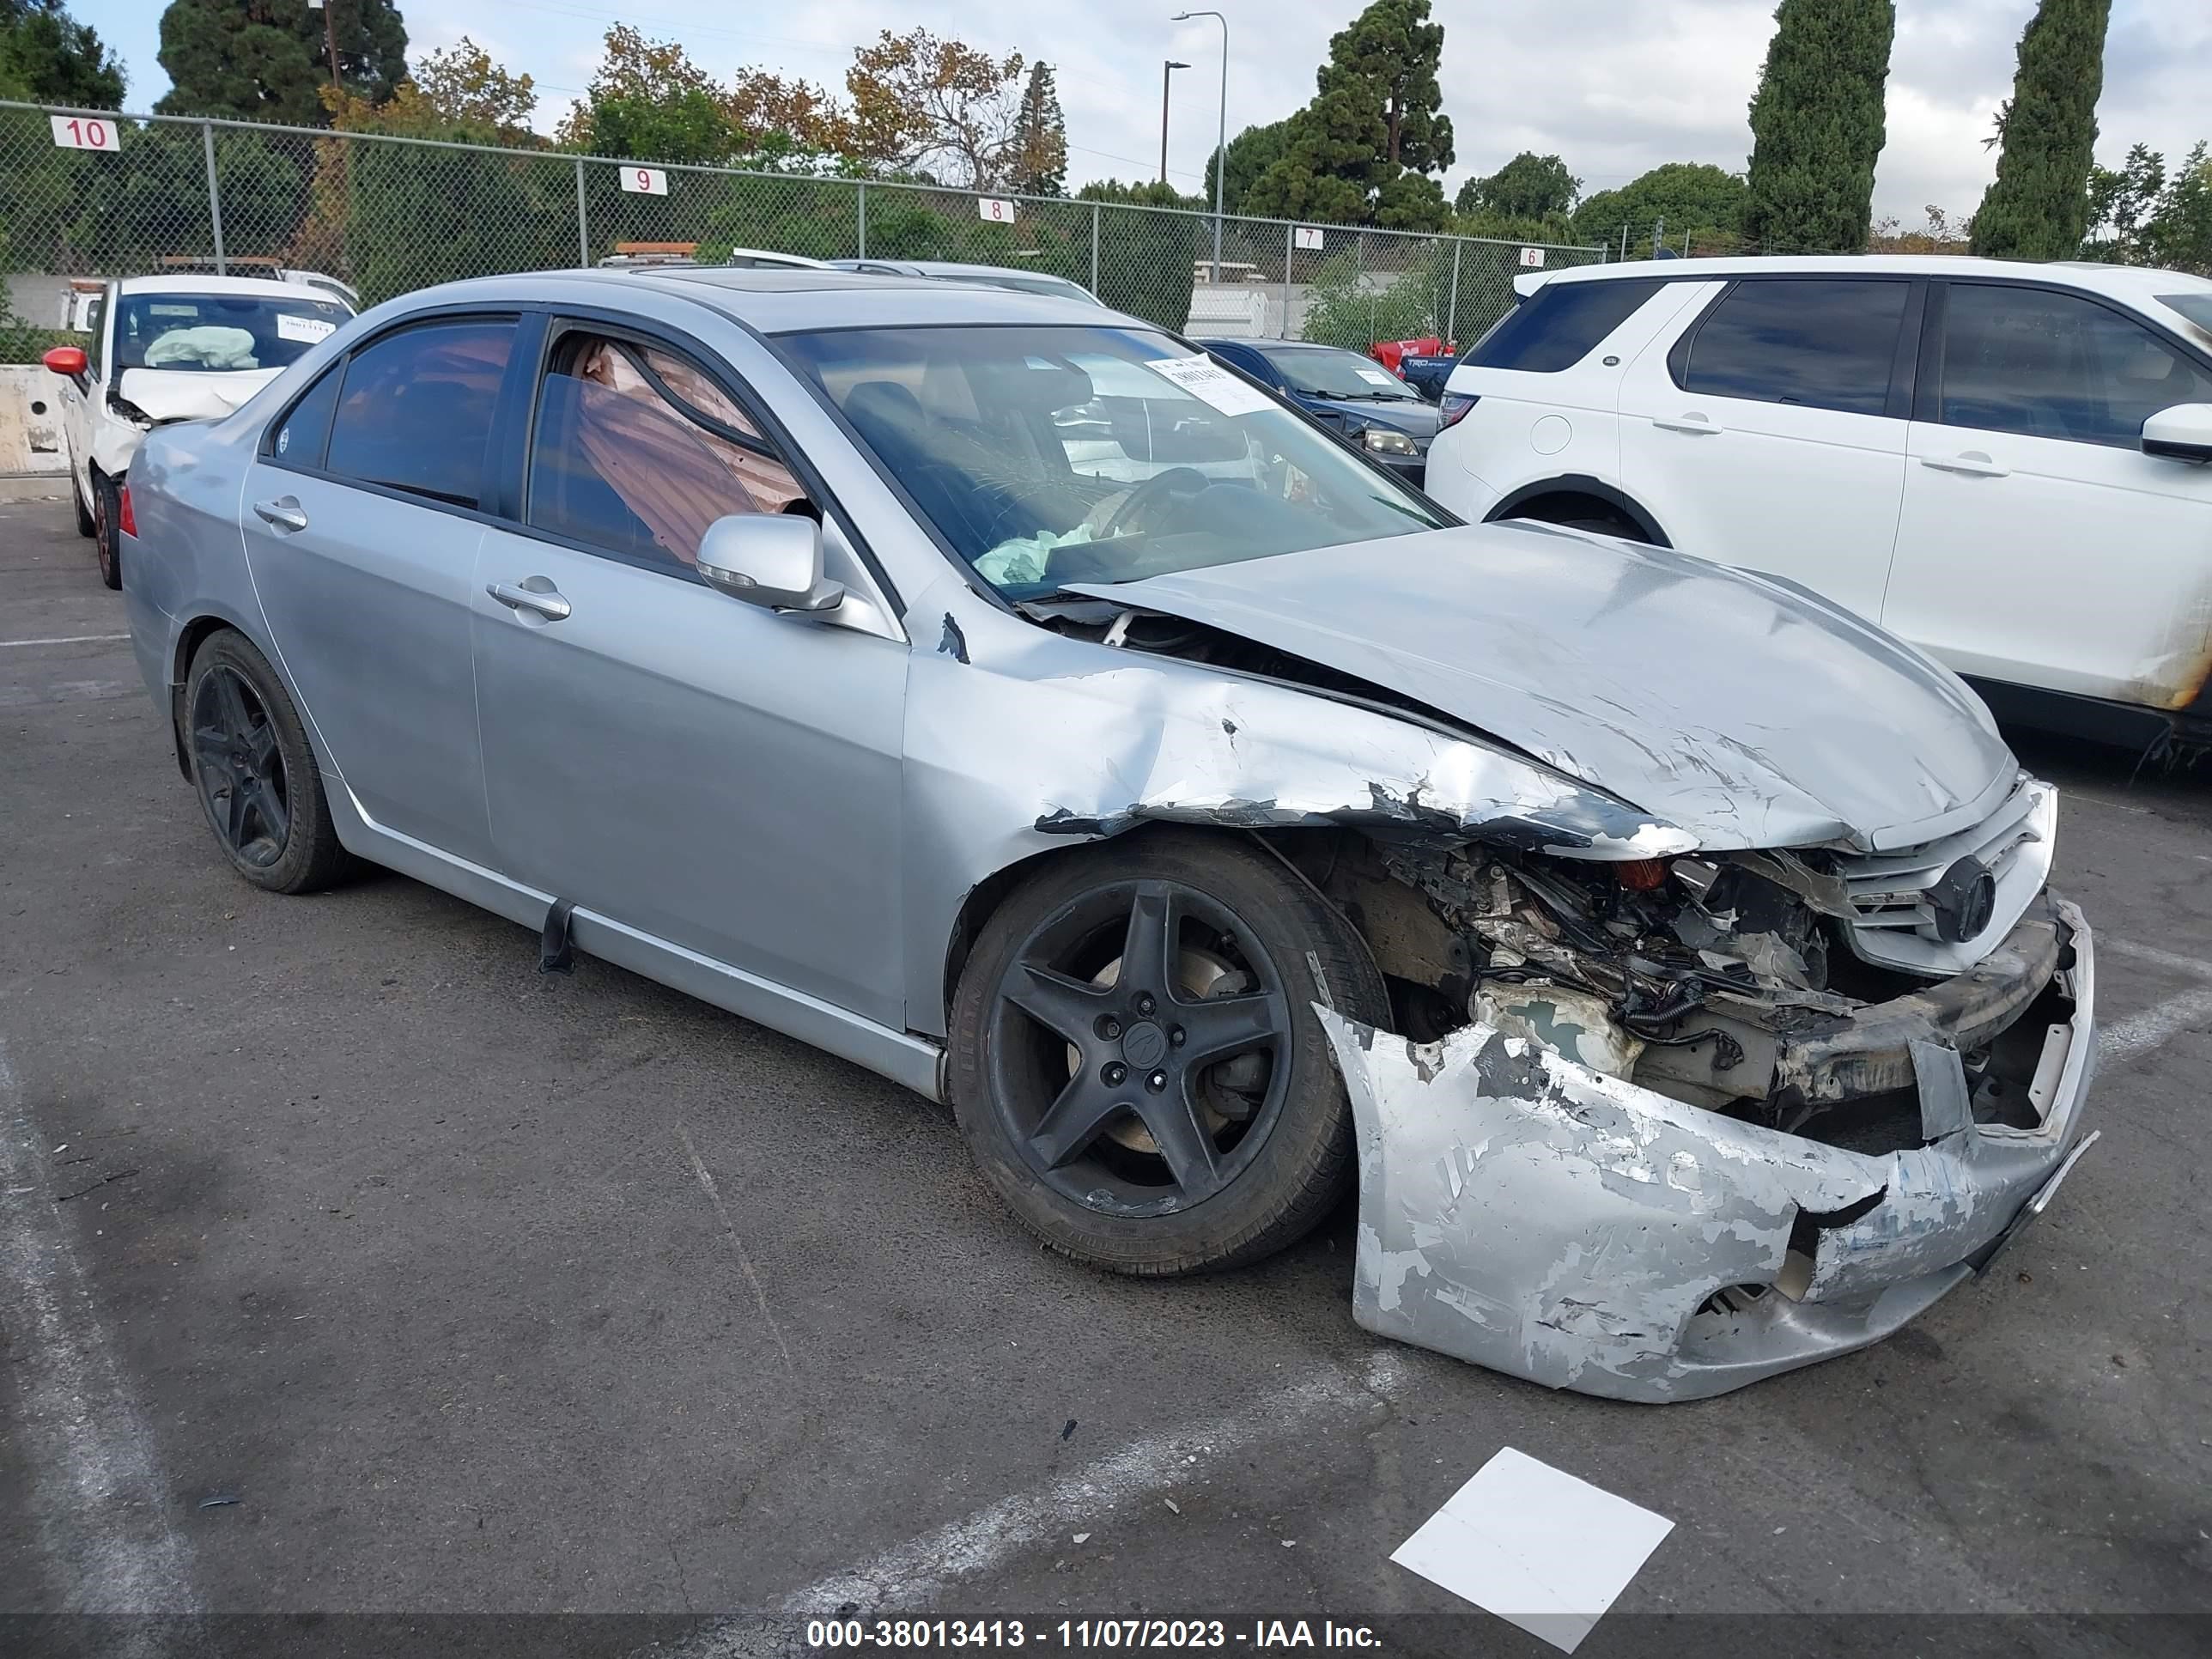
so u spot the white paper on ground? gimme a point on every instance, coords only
(1539, 1548)
(1210, 383)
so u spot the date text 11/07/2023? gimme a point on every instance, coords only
(1087, 1634)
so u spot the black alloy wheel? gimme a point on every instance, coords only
(1138, 1047)
(239, 764)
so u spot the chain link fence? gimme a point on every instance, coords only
(86, 195)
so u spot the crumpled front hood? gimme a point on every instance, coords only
(192, 394)
(1740, 707)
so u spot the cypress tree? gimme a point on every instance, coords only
(2039, 207)
(1817, 125)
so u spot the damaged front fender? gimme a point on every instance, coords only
(1521, 1211)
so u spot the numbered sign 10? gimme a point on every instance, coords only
(645, 181)
(994, 212)
(85, 132)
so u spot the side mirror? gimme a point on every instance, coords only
(2183, 433)
(770, 559)
(66, 360)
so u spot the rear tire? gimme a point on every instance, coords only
(254, 772)
(1174, 1118)
(106, 540)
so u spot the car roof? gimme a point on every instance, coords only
(784, 302)
(189, 283)
(2130, 283)
(1263, 347)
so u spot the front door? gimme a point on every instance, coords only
(362, 534)
(1766, 435)
(2040, 545)
(700, 769)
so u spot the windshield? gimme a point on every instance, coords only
(1327, 373)
(205, 331)
(1046, 456)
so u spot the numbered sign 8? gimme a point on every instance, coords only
(645, 181)
(997, 212)
(85, 132)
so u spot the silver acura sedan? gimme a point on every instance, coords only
(996, 692)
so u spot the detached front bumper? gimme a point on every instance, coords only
(1523, 1211)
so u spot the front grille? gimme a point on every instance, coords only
(1895, 922)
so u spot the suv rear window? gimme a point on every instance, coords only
(1557, 325)
(1820, 344)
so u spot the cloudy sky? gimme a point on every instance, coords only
(1615, 86)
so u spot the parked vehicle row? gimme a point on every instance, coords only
(1000, 693)
(2004, 464)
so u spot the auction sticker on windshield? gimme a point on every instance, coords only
(308, 329)
(1210, 383)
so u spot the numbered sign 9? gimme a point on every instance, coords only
(995, 211)
(85, 132)
(645, 181)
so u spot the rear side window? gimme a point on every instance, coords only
(635, 451)
(415, 412)
(1816, 343)
(2050, 365)
(1559, 325)
(300, 437)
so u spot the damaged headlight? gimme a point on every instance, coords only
(1384, 441)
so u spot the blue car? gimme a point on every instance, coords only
(1352, 395)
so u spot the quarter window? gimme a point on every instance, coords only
(416, 413)
(2049, 365)
(1818, 344)
(635, 451)
(1559, 325)
(96, 320)
(301, 435)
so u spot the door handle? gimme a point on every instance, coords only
(283, 513)
(545, 600)
(1697, 425)
(1973, 463)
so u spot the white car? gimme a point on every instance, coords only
(2006, 463)
(164, 348)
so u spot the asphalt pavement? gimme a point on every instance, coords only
(349, 1267)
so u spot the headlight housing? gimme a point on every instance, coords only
(1385, 441)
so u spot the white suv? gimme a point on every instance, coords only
(2006, 464)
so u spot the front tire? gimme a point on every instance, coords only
(1134, 1060)
(107, 543)
(254, 772)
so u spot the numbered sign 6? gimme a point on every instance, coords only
(85, 132)
(645, 181)
(1532, 258)
(997, 212)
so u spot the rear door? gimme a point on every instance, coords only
(1771, 434)
(2040, 545)
(361, 517)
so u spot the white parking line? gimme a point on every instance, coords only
(100, 1509)
(2136, 1035)
(69, 639)
(908, 1577)
(2151, 953)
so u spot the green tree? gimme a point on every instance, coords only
(2122, 205)
(1039, 163)
(1686, 195)
(1529, 186)
(2037, 208)
(269, 60)
(1251, 153)
(48, 56)
(1817, 125)
(2180, 233)
(1362, 151)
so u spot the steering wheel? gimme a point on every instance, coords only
(1175, 481)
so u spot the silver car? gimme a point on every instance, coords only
(1002, 695)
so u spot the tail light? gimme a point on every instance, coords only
(1642, 875)
(125, 519)
(1454, 406)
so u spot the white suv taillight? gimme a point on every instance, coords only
(1454, 406)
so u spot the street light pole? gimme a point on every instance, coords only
(1221, 145)
(1167, 70)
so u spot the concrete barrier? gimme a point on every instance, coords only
(31, 423)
